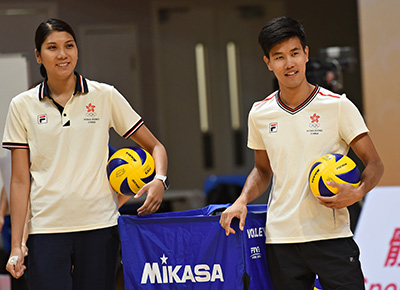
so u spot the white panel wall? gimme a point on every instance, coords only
(13, 80)
(379, 24)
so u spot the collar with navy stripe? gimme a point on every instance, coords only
(300, 107)
(80, 86)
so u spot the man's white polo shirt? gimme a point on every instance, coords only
(293, 139)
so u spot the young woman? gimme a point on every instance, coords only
(58, 133)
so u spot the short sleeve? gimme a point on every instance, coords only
(254, 139)
(15, 133)
(124, 119)
(351, 123)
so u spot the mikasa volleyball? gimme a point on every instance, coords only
(129, 169)
(332, 167)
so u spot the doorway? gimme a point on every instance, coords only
(109, 54)
(210, 72)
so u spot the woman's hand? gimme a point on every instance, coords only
(15, 263)
(155, 192)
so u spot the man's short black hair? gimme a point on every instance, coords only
(278, 30)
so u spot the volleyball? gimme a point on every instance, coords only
(317, 285)
(129, 169)
(332, 167)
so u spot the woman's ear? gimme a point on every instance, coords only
(38, 58)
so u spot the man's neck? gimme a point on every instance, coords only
(293, 97)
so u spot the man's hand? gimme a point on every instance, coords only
(237, 210)
(346, 196)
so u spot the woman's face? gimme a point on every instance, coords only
(59, 55)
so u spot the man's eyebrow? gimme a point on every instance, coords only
(279, 53)
(276, 53)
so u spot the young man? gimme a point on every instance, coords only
(288, 131)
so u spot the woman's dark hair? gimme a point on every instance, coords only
(43, 31)
(279, 30)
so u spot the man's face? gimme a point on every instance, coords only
(287, 60)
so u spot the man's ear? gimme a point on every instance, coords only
(267, 62)
(307, 51)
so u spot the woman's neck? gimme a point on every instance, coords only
(61, 90)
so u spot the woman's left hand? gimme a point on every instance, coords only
(155, 192)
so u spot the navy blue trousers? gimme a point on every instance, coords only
(74, 261)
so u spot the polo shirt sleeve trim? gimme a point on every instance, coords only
(9, 145)
(133, 129)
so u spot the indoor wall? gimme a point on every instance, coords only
(158, 68)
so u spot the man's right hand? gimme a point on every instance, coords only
(237, 210)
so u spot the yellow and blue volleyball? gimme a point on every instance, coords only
(332, 167)
(129, 169)
(317, 285)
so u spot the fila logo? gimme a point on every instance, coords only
(42, 119)
(273, 127)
